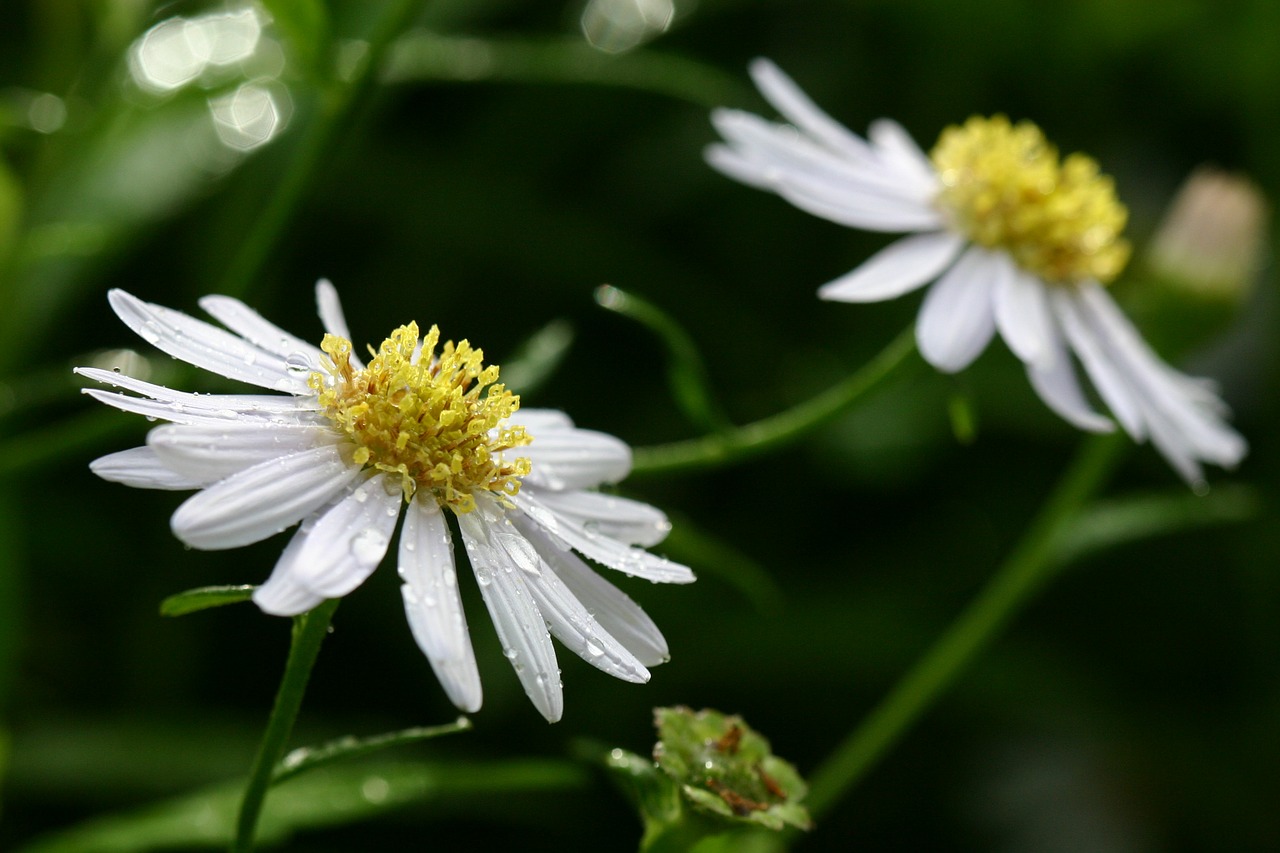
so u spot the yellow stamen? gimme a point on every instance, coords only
(1004, 187)
(425, 420)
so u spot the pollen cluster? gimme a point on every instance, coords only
(423, 416)
(1004, 186)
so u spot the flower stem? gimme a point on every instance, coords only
(1010, 588)
(309, 631)
(738, 443)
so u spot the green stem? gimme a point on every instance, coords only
(751, 439)
(1004, 594)
(335, 111)
(309, 631)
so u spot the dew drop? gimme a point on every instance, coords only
(297, 364)
(368, 546)
(594, 650)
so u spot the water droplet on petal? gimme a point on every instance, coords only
(369, 545)
(297, 364)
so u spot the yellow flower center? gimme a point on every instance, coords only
(424, 418)
(1004, 186)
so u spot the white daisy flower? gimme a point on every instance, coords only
(1013, 241)
(347, 449)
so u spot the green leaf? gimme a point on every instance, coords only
(535, 360)
(308, 758)
(205, 597)
(328, 797)
(1106, 524)
(686, 373)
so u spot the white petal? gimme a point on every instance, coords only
(856, 210)
(578, 630)
(263, 500)
(179, 413)
(1022, 313)
(139, 467)
(727, 161)
(617, 517)
(537, 421)
(283, 594)
(208, 454)
(1172, 400)
(613, 609)
(350, 540)
(329, 306)
(899, 151)
(899, 268)
(775, 153)
(592, 543)
(1110, 381)
(574, 459)
(956, 321)
(1053, 376)
(253, 405)
(196, 342)
(789, 100)
(567, 618)
(433, 605)
(259, 331)
(521, 628)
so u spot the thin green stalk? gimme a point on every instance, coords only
(751, 439)
(335, 111)
(309, 631)
(1009, 589)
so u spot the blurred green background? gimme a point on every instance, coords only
(491, 171)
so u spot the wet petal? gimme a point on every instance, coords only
(617, 517)
(433, 605)
(262, 500)
(612, 608)
(521, 628)
(575, 459)
(141, 468)
(329, 307)
(599, 547)
(257, 330)
(205, 346)
(208, 454)
(349, 541)
(283, 594)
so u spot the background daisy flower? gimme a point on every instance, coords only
(1012, 239)
(345, 449)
